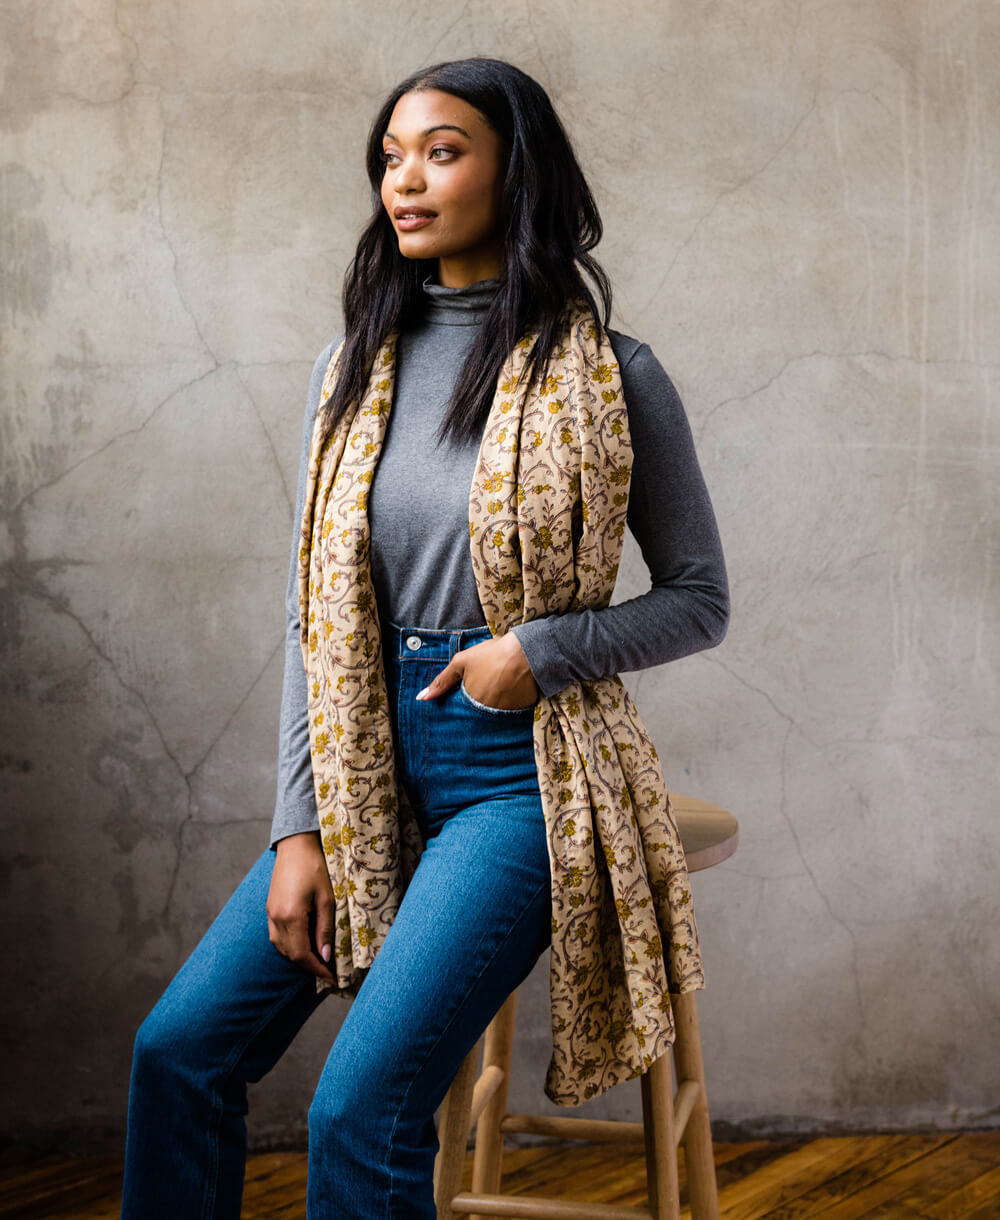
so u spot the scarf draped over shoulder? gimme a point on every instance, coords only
(547, 510)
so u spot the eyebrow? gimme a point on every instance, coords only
(430, 130)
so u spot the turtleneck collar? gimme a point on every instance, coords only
(459, 306)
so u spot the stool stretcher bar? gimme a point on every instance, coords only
(598, 1131)
(487, 1084)
(534, 1207)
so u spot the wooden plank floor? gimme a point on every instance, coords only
(891, 1177)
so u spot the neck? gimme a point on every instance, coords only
(458, 306)
(469, 269)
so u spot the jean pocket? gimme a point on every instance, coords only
(494, 711)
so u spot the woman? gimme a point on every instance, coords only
(450, 708)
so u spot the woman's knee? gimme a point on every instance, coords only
(167, 1045)
(338, 1106)
(357, 1099)
(155, 1047)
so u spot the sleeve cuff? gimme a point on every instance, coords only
(297, 819)
(539, 640)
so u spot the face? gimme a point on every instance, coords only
(444, 163)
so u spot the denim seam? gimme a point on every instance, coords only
(454, 1017)
(211, 1189)
(421, 722)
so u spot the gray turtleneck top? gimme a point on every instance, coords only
(421, 564)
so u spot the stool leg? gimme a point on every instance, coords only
(662, 1182)
(453, 1134)
(487, 1163)
(697, 1139)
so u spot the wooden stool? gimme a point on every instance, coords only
(709, 835)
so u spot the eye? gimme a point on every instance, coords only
(389, 157)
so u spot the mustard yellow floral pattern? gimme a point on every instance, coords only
(547, 510)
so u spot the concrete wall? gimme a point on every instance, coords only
(802, 219)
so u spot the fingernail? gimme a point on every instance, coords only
(325, 953)
(422, 694)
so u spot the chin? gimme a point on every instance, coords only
(415, 250)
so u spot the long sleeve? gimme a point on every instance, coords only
(295, 806)
(671, 518)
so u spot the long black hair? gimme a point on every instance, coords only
(550, 222)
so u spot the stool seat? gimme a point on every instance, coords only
(708, 835)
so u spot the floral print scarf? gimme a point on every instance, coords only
(547, 510)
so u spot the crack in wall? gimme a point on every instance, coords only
(859, 221)
(15, 510)
(23, 579)
(236, 711)
(790, 727)
(186, 306)
(128, 60)
(887, 739)
(538, 44)
(23, 574)
(91, 103)
(819, 354)
(727, 193)
(752, 876)
(129, 39)
(189, 776)
(289, 499)
(429, 54)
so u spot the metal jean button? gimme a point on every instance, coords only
(413, 642)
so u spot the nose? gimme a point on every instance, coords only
(409, 176)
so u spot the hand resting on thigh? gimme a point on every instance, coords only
(300, 893)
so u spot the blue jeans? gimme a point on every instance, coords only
(473, 921)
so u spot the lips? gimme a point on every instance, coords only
(409, 219)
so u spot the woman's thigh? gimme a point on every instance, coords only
(475, 918)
